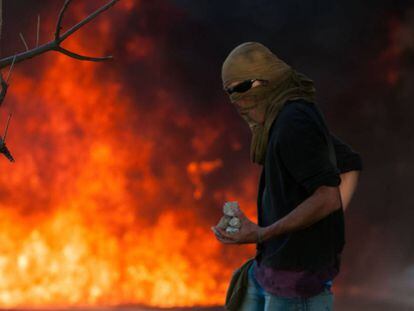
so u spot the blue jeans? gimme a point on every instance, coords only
(257, 299)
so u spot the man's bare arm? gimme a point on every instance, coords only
(349, 181)
(323, 202)
(320, 204)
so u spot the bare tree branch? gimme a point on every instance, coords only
(4, 87)
(4, 83)
(4, 62)
(55, 44)
(86, 20)
(59, 20)
(82, 57)
(3, 148)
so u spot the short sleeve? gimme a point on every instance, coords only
(346, 158)
(304, 151)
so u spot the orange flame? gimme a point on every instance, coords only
(86, 218)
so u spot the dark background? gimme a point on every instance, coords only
(360, 56)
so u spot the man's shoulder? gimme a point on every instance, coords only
(297, 113)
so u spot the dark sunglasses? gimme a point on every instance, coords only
(243, 86)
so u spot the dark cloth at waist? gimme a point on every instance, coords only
(291, 283)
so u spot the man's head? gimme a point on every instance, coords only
(248, 74)
(258, 84)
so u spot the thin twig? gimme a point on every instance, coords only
(7, 127)
(59, 20)
(82, 57)
(38, 30)
(10, 69)
(86, 20)
(24, 41)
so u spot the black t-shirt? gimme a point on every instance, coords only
(301, 156)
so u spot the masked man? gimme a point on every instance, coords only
(307, 180)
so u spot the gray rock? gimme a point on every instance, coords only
(235, 222)
(224, 222)
(232, 230)
(229, 208)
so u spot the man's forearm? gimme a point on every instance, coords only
(349, 181)
(321, 203)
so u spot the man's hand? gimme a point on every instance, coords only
(248, 233)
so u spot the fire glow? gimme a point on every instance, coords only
(85, 219)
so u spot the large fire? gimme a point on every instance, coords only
(92, 213)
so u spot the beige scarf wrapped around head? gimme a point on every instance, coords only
(252, 60)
